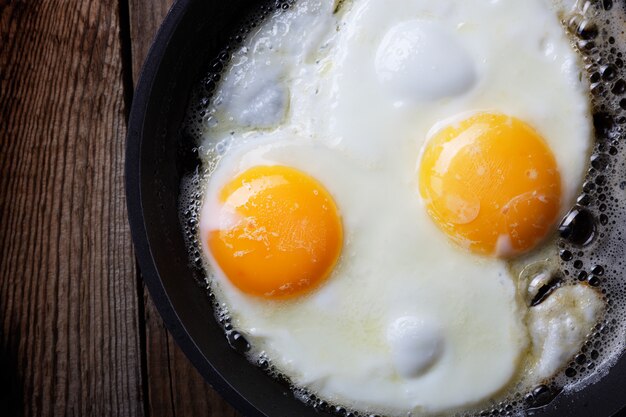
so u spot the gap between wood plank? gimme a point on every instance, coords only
(126, 51)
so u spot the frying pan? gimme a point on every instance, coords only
(158, 155)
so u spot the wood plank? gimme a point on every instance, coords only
(69, 336)
(145, 19)
(174, 385)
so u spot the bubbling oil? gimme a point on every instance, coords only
(590, 245)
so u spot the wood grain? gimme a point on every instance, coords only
(174, 387)
(69, 341)
(145, 19)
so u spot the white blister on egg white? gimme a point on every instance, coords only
(422, 61)
(416, 345)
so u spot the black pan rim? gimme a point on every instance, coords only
(141, 243)
(603, 396)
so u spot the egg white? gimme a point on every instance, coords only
(306, 91)
(335, 340)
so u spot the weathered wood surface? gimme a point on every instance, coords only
(78, 334)
(68, 299)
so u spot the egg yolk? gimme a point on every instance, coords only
(280, 233)
(491, 184)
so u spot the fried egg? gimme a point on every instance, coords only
(374, 168)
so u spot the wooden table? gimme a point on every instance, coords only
(79, 335)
